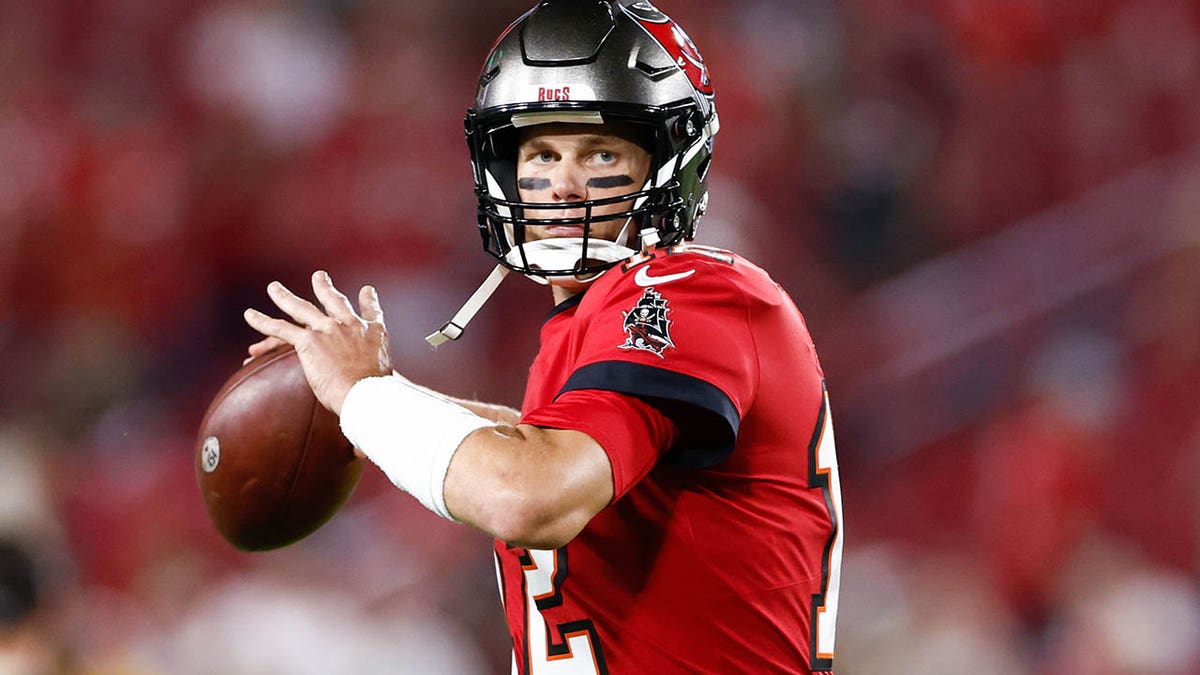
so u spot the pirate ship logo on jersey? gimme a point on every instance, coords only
(646, 325)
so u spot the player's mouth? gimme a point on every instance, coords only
(558, 231)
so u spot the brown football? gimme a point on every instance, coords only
(271, 461)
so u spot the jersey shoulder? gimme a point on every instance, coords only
(694, 274)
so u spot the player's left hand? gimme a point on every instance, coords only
(337, 347)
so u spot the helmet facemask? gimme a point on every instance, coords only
(506, 221)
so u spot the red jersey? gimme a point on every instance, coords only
(721, 549)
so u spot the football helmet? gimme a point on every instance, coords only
(592, 62)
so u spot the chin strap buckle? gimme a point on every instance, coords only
(453, 329)
(650, 238)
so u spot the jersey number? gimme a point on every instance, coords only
(570, 648)
(823, 474)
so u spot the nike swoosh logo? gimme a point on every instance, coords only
(643, 277)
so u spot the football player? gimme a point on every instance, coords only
(667, 498)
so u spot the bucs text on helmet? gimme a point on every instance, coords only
(592, 62)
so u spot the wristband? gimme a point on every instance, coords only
(409, 432)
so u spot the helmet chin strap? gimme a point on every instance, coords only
(556, 253)
(563, 253)
(453, 329)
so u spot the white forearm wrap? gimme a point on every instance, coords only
(409, 432)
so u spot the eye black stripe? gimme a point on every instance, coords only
(534, 183)
(610, 181)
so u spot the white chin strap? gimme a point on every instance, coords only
(563, 253)
(551, 254)
(453, 329)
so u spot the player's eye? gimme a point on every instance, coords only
(606, 157)
(538, 156)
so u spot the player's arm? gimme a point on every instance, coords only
(525, 485)
(528, 486)
(522, 484)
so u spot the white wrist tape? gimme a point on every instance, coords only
(409, 432)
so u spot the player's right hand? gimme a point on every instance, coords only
(337, 347)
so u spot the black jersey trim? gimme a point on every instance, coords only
(708, 420)
(563, 306)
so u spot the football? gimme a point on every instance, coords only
(271, 461)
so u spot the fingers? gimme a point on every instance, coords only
(265, 345)
(262, 347)
(368, 304)
(277, 328)
(307, 314)
(337, 305)
(301, 310)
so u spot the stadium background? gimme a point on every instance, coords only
(989, 211)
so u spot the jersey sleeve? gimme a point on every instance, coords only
(632, 432)
(678, 335)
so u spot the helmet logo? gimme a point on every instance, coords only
(675, 41)
(554, 94)
(647, 327)
(558, 91)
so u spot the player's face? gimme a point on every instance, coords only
(563, 163)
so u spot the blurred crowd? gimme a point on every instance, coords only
(988, 210)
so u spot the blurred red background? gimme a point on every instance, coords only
(988, 211)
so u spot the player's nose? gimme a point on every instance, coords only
(568, 183)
